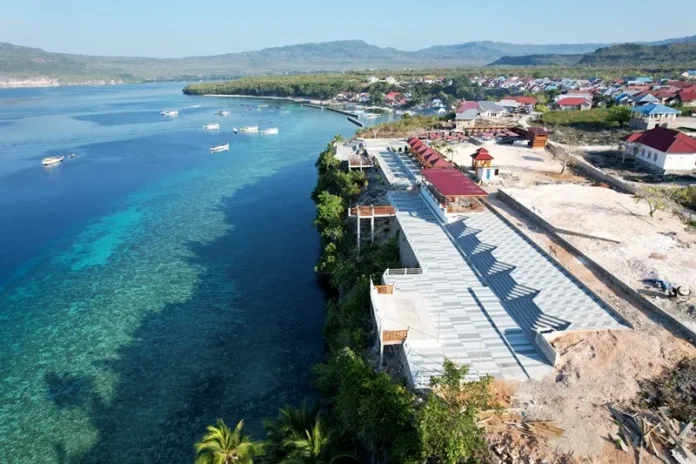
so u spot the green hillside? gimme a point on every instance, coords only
(538, 60)
(683, 54)
(25, 62)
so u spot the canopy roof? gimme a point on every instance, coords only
(451, 182)
(482, 155)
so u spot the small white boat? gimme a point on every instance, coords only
(219, 148)
(273, 130)
(249, 129)
(263, 106)
(234, 129)
(52, 160)
(72, 155)
(195, 106)
(213, 126)
(170, 113)
(371, 115)
(222, 113)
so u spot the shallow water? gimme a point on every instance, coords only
(147, 286)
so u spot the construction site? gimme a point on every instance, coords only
(543, 277)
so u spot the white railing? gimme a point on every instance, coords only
(375, 309)
(420, 376)
(404, 271)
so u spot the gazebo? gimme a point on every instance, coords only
(452, 192)
(481, 158)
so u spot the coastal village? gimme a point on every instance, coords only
(519, 93)
(563, 271)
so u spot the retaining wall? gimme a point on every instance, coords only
(355, 121)
(591, 170)
(406, 254)
(347, 113)
(685, 330)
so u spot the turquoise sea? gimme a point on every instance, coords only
(148, 286)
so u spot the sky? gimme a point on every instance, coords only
(175, 28)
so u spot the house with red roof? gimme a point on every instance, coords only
(393, 95)
(662, 149)
(687, 97)
(574, 103)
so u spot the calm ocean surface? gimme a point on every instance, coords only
(148, 287)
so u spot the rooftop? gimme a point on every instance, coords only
(490, 107)
(467, 115)
(572, 101)
(453, 183)
(664, 140)
(482, 155)
(654, 108)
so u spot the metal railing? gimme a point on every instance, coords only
(404, 271)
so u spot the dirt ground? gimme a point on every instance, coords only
(630, 170)
(519, 166)
(614, 230)
(596, 369)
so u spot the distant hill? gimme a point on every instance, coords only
(539, 60)
(20, 62)
(682, 54)
(665, 52)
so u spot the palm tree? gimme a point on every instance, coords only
(315, 447)
(224, 446)
(290, 424)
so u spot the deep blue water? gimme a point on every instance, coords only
(148, 287)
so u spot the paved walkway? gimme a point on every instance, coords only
(537, 291)
(473, 326)
(487, 289)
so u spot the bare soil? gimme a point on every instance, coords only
(618, 233)
(596, 369)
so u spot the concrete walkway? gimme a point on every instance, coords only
(472, 324)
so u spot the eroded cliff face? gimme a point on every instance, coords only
(13, 83)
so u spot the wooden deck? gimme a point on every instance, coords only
(372, 211)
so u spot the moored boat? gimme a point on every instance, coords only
(212, 126)
(250, 129)
(170, 113)
(52, 160)
(222, 113)
(371, 115)
(273, 130)
(218, 148)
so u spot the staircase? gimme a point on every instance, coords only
(517, 299)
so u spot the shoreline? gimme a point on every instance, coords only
(292, 99)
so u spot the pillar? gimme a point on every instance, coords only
(372, 226)
(381, 351)
(358, 222)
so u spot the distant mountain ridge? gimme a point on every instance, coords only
(663, 52)
(18, 62)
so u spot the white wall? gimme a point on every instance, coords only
(437, 208)
(664, 161)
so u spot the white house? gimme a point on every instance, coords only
(372, 79)
(390, 80)
(489, 109)
(662, 149)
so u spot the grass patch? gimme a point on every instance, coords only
(594, 119)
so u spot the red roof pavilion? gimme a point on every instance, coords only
(453, 183)
(482, 155)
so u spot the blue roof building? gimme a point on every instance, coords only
(652, 115)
